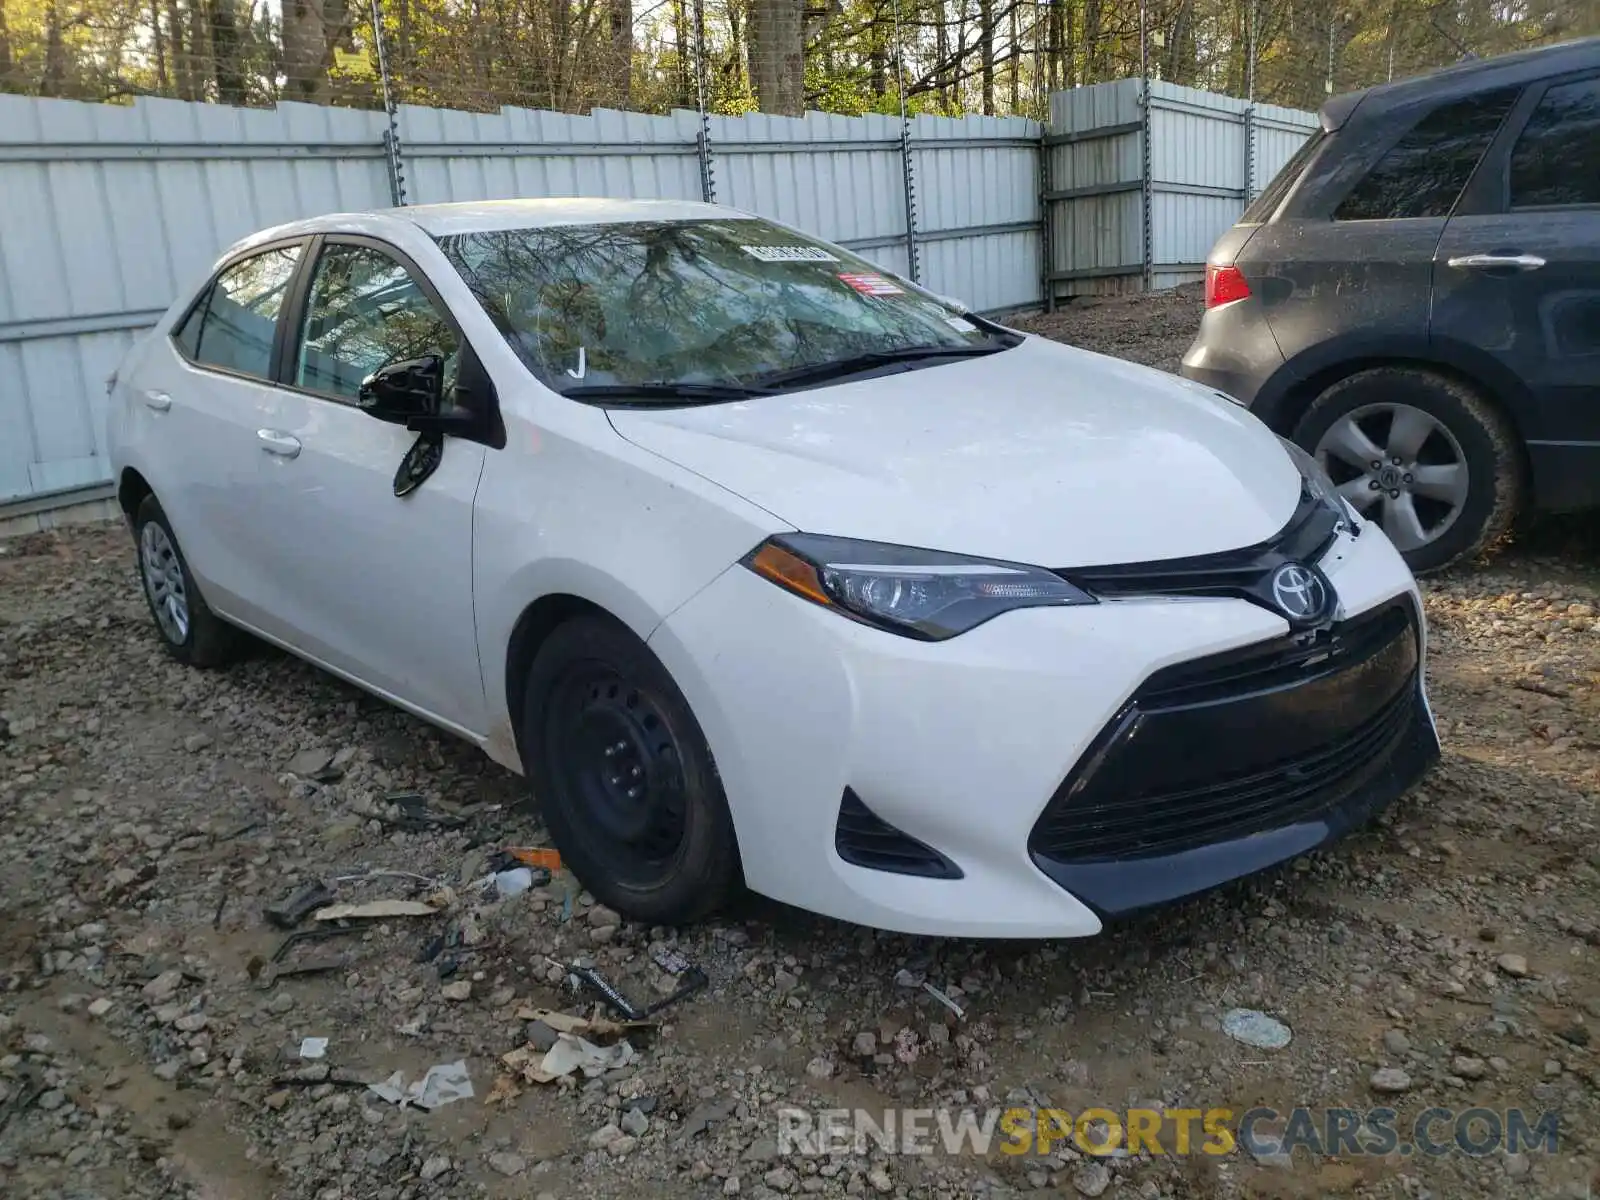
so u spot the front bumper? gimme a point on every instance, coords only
(962, 746)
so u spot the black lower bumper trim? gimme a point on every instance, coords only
(1117, 888)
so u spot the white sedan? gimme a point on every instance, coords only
(768, 567)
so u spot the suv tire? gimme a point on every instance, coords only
(1445, 476)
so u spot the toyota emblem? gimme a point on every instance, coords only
(1299, 592)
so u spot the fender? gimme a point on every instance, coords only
(1292, 388)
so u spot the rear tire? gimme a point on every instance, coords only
(1424, 456)
(625, 778)
(190, 631)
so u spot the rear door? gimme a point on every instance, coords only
(193, 417)
(1518, 277)
(1363, 266)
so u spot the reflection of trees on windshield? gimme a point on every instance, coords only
(364, 312)
(681, 302)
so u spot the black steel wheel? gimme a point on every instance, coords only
(625, 777)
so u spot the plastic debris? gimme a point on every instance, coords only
(536, 856)
(669, 960)
(416, 815)
(1255, 1029)
(570, 1055)
(313, 1047)
(376, 908)
(294, 908)
(513, 882)
(945, 1000)
(595, 1026)
(693, 980)
(443, 1084)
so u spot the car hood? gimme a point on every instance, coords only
(1042, 454)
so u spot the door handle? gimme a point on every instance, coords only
(159, 401)
(277, 443)
(1501, 262)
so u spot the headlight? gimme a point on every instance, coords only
(1317, 481)
(923, 594)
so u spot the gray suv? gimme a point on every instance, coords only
(1415, 299)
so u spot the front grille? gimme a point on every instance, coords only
(1243, 574)
(865, 839)
(1240, 743)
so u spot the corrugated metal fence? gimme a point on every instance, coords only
(1137, 192)
(107, 212)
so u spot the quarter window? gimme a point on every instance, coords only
(1556, 161)
(364, 312)
(241, 315)
(1423, 174)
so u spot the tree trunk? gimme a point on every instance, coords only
(777, 56)
(986, 49)
(6, 64)
(1016, 60)
(878, 58)
(680, 31)
(941, 53)
(55, 54)
(224, 28)
(619, 14)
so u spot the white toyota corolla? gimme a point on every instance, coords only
(767, 566)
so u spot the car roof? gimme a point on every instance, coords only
(479, 216)
(1464, 79)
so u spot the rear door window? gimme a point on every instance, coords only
(1424, 173)
(241, 317)
(1556, 161)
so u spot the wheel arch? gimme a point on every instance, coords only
(1305, 377)
(132, 488)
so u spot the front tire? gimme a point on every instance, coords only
(1422, 455)
(625, 778)
(191, 632)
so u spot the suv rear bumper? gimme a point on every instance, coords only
(1234, 351)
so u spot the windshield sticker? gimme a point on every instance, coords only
(789, 254)
(872, 285)
(961, 325)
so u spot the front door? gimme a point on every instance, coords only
(375, 585)
(1517, 275)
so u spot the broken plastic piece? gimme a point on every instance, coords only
(290, 911)
(536, 856)
(376, 908)
(693, 980)
(443, 1084)
(945, 1000)
(417, 815)
(313, 1047)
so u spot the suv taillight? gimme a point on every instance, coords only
(1224, 285)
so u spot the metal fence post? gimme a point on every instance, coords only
(391, 136)
(702, 140)
(1249, 154)
(1145, 123)
(1047, 254)
(908, 173)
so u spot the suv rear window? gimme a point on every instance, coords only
(1264, 205)
(1423, 173)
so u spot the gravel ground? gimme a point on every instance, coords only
(148, 813)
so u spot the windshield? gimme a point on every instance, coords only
(708, 307)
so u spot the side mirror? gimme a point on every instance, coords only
(403, 391)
